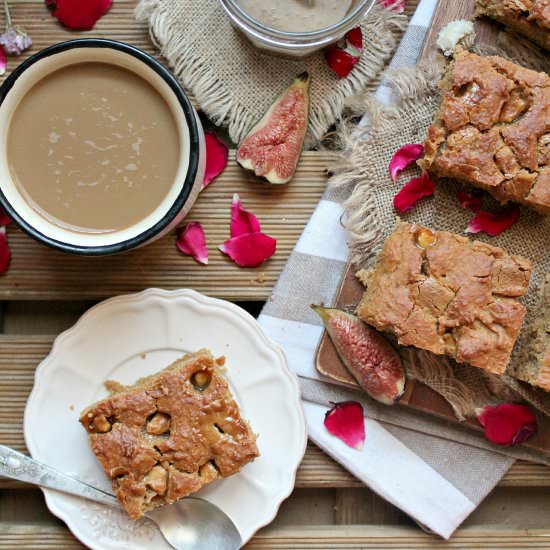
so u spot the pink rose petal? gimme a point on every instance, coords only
(4, 218)
(249, 249)
(5, 254)
(216, 157)
(345, 421)
(3, 61)
(79, 15)
(403, 157)
(354, 41)
(242, 221)
(507, 423)
(494, 223)
(398, 5)
(467, 200)
(413, 191)
(191, 241)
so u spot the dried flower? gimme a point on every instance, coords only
(14, 39)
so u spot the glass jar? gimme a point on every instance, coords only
(294, 44)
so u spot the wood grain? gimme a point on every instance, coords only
(348, 537)
(36, 272)
(19, 356)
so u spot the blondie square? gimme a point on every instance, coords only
(493, 130)
(169, 434)
(444, 293)
(528, 17)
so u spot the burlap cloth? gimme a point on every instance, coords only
(235, 83)
(370, 218)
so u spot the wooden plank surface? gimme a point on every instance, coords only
(322, 485)
(368, 537)
(37, 272)
(19, 356)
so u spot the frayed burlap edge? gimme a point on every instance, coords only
(465, 388)
(382, 29)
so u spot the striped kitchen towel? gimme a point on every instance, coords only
(436, 472)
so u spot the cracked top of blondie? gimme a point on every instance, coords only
(444, 293)
(528, 17)
(493, 129)
(169, 434)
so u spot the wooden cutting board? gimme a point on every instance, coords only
(418, 396)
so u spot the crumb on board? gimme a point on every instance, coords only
(261, 279)
(143, 355)
(71, 407)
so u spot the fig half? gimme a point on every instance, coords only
(367, 355)
(272, 148)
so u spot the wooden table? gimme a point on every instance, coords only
(44, 292)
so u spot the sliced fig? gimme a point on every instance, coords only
(368, 356)
(272, 148)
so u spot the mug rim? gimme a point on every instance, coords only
(194, 147)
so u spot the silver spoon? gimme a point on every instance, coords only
(190, 524)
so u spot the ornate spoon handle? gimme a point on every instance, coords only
(23, 468)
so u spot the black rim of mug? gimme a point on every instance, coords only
(190, 177)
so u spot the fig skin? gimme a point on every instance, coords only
(272, 148)
(367, 355)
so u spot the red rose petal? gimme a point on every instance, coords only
(413, 191)
(494, 223)
(354, 38)
(4, 218)
(191, 241)
(403, 157)
(345, 421)
(216, 157)
(473, 202)
(242, 221)
(5, 254)
(398, 5)
(340, 61)
(3, 61)
(507, 423)
(78, 15)
(249, 249)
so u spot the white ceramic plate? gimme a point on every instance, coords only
(131, 336)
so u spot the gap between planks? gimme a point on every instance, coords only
(19, 356)
(364, 537)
